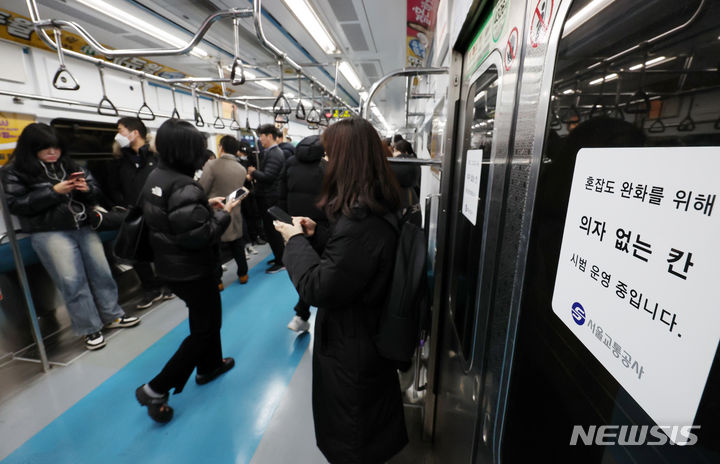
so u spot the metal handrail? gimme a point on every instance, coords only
(40, 25)
(402, 72)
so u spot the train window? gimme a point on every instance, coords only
(635, 74)
(467, 240)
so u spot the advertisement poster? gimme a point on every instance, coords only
(11, 125)
(421, 16)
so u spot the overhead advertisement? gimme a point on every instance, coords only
(638, 280)
(421, 15)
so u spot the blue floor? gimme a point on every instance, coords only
(221, 422)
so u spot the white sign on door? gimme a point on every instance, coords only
(471, 187)
(638, 279)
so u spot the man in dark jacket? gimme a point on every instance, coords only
(130, 173)
(301, 187)
(268, 177)
(286, 146)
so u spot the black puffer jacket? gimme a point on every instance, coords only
(288, 149)
(130, 173)
(302, 182)
(184, 230)
(269, 174)
(38, 206)
(408, 176)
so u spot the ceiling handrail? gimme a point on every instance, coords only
(105, 98)
(402, 72)
(144, 106)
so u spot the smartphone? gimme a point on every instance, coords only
(238, 194)
(75, 175)
(279, 214)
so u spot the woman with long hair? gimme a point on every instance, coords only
(185, 228)
(53, 198)
(345, 271)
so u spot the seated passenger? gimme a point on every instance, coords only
(345, 271)
(300, 191)
(52, 203)
(184, 230)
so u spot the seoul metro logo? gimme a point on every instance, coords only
(578, 313)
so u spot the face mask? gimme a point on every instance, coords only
(122, 140)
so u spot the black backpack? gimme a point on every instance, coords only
(406, 306)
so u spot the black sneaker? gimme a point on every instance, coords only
(94, 341)
(167, 294)
(149, 298)
(271, 262)
(275, 268)
(227, 364)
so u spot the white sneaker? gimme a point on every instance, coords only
(251, 250)
(298, 325)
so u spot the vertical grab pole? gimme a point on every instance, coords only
(22, 276)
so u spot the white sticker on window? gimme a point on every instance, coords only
(638, 279)
(471, 188)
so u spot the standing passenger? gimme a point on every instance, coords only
(53, 208)
(185, 229)
(267, 189)
(345, 271)
(221, 177)
(302, 185)
(130, 172)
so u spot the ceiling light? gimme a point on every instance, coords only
(379, 117)
(582, 16)
(131, 20)
(568, 91)
(653, 62)
(350, 75)
(608, 78)
(309, 19)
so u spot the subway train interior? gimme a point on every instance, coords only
(566, 319)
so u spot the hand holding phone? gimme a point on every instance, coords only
(280, 215)
(75, 176)
(238, 194)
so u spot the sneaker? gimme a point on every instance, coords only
(123, 322)
(94, 341)
(271, 262)
(149, 298)
(221, 287)
(298, 325)
(250, 249)
(167, 294)
(243, 279)
(275, 268)
(227, 364)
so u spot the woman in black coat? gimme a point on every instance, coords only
(345, 271)
(185, 229)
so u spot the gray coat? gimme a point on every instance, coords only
(221, 177)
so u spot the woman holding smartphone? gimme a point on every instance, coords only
(345, 270)
(52, 195)
(185, 229)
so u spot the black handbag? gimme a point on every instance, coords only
(132, 243)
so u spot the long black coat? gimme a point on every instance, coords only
(345, 272)
(184, 230)
(302, 184)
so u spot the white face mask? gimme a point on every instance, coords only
(122, 140)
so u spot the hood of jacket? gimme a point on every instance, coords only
(310, 150)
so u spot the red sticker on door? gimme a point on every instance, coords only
(540, 21)
(511, 48)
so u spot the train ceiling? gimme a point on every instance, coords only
(370, 33)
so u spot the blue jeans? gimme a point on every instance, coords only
(77, 265)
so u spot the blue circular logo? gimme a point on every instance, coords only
(578, 313)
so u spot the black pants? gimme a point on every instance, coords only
(302, 309)
(148, 279)
(202, 347)
(237, 248)
(251, 216)
(273, 236)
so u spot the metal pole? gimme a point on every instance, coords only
(22, 276)
(402, 72)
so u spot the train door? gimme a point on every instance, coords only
(470, 350)
(618, 330)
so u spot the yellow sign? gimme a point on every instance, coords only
(18, 28)
(11, 125)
